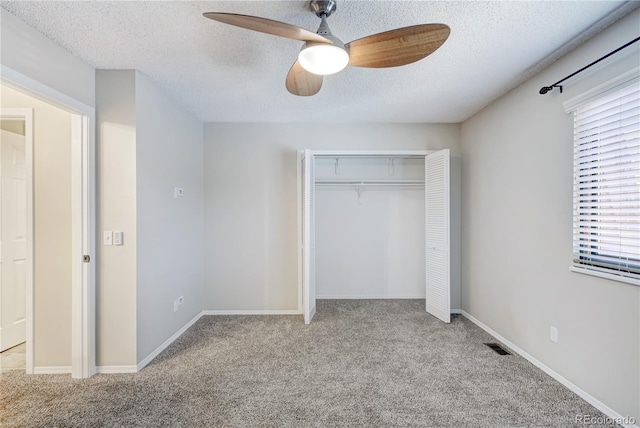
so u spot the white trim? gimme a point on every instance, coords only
(52, 370)
(300, 222)
(116, 369)
(625, 79)
(30, 295)
(26, 114)
(612, 276)
(89, 241)
(456, 311)
(41, 91)
(83, 225)
(151, 356)
(89, 225)
(83, 201)
(78, 347)
(167, 342)
(548, 370)
(308, 253)
(368, 296)
(252, 312)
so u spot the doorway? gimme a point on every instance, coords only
(13, 239)
(16, 238)
(77, 305)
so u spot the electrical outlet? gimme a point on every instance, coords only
(180, 300)
(553, 334)
(175, 306)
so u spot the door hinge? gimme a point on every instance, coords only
(87, 258)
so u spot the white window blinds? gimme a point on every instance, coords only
(606, 195)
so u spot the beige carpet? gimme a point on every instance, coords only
(361, 363)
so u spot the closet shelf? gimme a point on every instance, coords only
(370, 182)
(394, 155)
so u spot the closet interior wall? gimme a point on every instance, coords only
(369, 238)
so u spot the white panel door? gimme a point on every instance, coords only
(438, 299)
(13, 244)
(308, 237)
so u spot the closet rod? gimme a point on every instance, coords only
(370, 182)
(372, 156)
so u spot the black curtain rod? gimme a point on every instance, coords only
(546, 89)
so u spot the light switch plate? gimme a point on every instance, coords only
(118, 238)
(178, 192)
(107, 237)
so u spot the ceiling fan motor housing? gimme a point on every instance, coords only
(325, 32)
(322, 7)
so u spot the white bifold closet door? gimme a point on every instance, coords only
(308, 236)
(438, 281)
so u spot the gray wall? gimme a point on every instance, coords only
(250, 202)
(146, 147)
(116, 211)
(169, 230)
(517, 234)
(26, 51)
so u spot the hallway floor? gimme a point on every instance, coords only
(14, 358)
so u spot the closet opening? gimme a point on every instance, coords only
(374, 225)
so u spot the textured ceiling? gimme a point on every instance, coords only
(222, 73)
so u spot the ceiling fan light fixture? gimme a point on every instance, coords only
(323, 58)
(324, 54)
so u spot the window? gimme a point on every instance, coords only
(606, 189)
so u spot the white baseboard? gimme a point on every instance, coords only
(548, 370)
(167, 342)
(252, 312)
(116, 369)
(52, 370)
(365, 297)
(456, 311)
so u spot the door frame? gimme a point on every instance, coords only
(83, 362)
(26, 115)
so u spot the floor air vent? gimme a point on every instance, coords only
(499, 349)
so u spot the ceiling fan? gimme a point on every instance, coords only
(324, 54)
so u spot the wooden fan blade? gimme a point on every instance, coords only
(397, 47)
(301, 82)
(268, 26)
